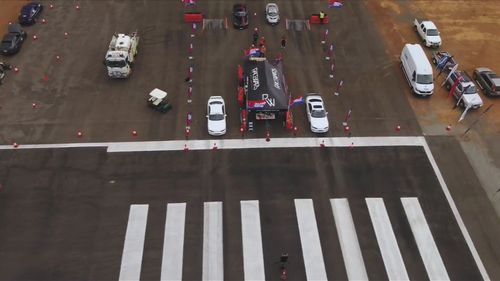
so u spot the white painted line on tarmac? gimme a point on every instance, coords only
(253, 256)
(134, 243)
(425, 241)
(178, 145)
(393, 261)
(213, 259)
(173, 242)
(349, 244)
(454, 209)
(309, 239)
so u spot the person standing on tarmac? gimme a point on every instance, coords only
(321, 16)
(283, 42)
(262, 41)
(255, 35)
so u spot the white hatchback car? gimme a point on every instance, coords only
(316, 114)
(272, 13)
(216, 116)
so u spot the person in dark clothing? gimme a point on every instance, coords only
(283, 42)
(255, 35)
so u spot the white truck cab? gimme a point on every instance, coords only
(121, 54)
(429, 33)
(417, 70)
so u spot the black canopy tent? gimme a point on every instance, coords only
(265, 87)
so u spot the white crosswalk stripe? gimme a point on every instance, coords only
(213, 262)
(253, 256)
(254, 263)
(309, 239)
(425, 242)
(393, 261)
(134, 243)
(349, 244)
(173, 243)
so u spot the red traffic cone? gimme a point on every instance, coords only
(58, 58)
(51, 6)
(77, 7)
(15, 145)
(134, 133)
(16, 70)
(33, 105)
(448, 128)
(346, 129)
(398, 128)
(44, 21)
(66, 35)
(35, 37)
(79, 134)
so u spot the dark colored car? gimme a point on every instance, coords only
(240, 16)
(488, 80)
(13, 40)
(29, 13)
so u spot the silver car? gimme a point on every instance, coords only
(272, 13)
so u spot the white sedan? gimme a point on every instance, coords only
(316, 114)
(272, 13)
(216, 116)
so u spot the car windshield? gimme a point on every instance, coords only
(240, 13)
(116, 63)
(469, 90)
(424, 79)
(432, 32)
(318, 113)
(216, 117)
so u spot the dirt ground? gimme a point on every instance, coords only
(9, 10)
(469, 30)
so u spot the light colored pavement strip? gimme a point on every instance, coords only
(309, 239)
(425, 242)
(134, 243)
(173, 242)
(213, 259)
(253, 256)
(177, 145)
(454, 209)
(393, 261)
(348, 238)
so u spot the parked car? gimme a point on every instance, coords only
(316, 114)
(487, 80)
(13, 40)
(272, 13)
(466, 91)
(216, 116)
(30, 12)
(428, 31)
(240, 16)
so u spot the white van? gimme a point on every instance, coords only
(417, 70)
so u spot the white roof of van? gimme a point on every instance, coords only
(421, 61)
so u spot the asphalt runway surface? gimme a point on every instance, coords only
(78, 95)
(66, 210)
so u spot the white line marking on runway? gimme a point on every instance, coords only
(173, 242)
(454, 209)
(393, 261)
(253, 257)
(309, 239)
(425, 242)
(177, 145)
(134, 243)
(353, 259)
(213, 259)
